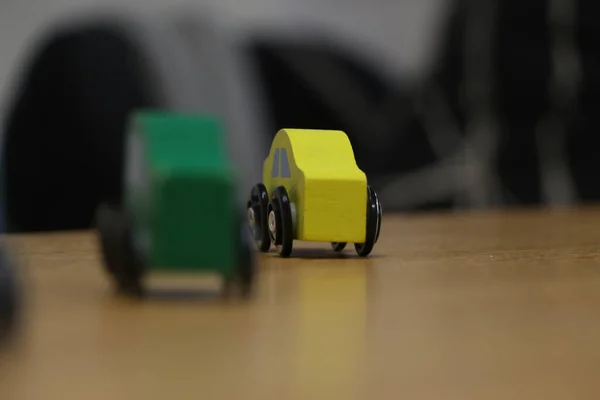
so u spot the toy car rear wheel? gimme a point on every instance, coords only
(110, 229)
(257, 216)
(373, 224)
(246, 266)
(121, 261)
(280, 222)
(338, 246)
(8, 298)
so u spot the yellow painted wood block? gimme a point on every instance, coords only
(327, 190)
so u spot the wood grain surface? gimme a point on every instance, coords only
(450, 306)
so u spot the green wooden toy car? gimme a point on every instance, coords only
(180, 210)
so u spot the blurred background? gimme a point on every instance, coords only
(464, 104)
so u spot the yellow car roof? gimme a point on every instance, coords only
(323, 152)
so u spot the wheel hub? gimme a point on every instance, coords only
(251, 219)
(272, 225)
(252, 222)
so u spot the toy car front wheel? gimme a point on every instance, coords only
(257, 217)
(246, 266)
(338, 246)
(110, 230)
(119, 256)
(280, 222)
(373, 224)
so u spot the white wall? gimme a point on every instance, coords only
(403, 30)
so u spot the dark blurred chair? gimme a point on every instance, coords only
(525, 75)
(64, 133)
(481, 130)
(62, 147)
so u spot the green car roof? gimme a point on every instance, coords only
(185, 150)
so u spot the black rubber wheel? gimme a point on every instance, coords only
(338, 246)
(8, 298)
(130, 278)
(111, 230)
(246, 265)
(121, 261)
(379, 215)
(257, 217)
(373, 224)
(280, 222)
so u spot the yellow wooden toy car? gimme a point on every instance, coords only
(313, 190)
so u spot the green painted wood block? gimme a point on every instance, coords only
(180, 211)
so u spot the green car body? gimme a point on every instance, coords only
(180, 190)
(179, 197)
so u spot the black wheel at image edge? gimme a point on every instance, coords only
(246, 265)
(373, 224)
(8, 299)
(257, 217)
(120, 258)
(280, 222)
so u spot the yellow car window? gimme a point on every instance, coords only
(275, 169)
(285, 165)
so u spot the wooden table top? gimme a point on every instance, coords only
(479, 306)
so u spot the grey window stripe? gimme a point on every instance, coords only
(285, 164)
(275, 169)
